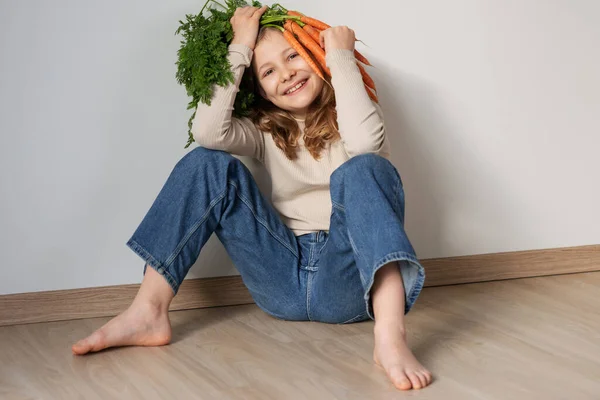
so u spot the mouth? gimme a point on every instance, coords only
(297, 88)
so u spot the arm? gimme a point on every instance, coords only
(360, 120)
(214, 127)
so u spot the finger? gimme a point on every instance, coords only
(259, 11)
(246, 10)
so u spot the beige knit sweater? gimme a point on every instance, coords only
(300, 188)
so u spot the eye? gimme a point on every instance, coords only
(269, 70)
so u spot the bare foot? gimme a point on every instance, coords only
(142, 324)
(393, 355)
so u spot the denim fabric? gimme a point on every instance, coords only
(321, 276)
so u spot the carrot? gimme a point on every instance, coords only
(357, 54)
(310, 21)
(366, 78)
(361, 58)
(289, 36)
(321, 26)
(309, 43)
(372, 95)
(309, 36)
(314, 33)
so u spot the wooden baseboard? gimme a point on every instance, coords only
(106, 301)
(510, 265)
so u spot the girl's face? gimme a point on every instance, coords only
(278, 67)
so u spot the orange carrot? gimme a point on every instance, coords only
(310, 21)
(309, 36)
(314, 33)
(315, 22)
(357, 54)
(366, 78)
(361, 58)
(321, 26)
(289, 36)
(309, 43)
(372, 95)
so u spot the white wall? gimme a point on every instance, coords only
(493, 109)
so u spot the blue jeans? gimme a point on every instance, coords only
(320, 276)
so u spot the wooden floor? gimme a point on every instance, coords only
(515, 339)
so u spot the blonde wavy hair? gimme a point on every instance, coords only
(321, 125)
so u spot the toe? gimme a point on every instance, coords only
(427, 375)
(79, 347)
(97, 341)
(399, 378)
(422, 378)
(414, 379)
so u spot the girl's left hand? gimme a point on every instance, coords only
(337, 37)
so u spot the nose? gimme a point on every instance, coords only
(287, 74)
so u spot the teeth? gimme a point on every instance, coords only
(298, 86)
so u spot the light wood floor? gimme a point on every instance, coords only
(515, 339)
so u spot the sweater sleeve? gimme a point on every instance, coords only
(213, 126)
(360, 120)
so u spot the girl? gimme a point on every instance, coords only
(331, 247)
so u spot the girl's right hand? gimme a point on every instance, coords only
(245, 24)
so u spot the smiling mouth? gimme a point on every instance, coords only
(298, 89)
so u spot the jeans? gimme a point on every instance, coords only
(323, 276)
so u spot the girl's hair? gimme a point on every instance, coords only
(320, 125)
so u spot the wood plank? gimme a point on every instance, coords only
(513, 339)
(229, 290)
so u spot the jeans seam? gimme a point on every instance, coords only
(352, 244)
(338, 206)
(323, 245)
(195, 227)
(328, 234)
(308, 293)
(262, 222)
(396, 197)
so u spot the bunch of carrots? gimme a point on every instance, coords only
(303, 33)
(202, 61)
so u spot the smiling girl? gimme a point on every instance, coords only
(330, 247)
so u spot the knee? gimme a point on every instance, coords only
(202, 154)
(203, 157)
(360, 163)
